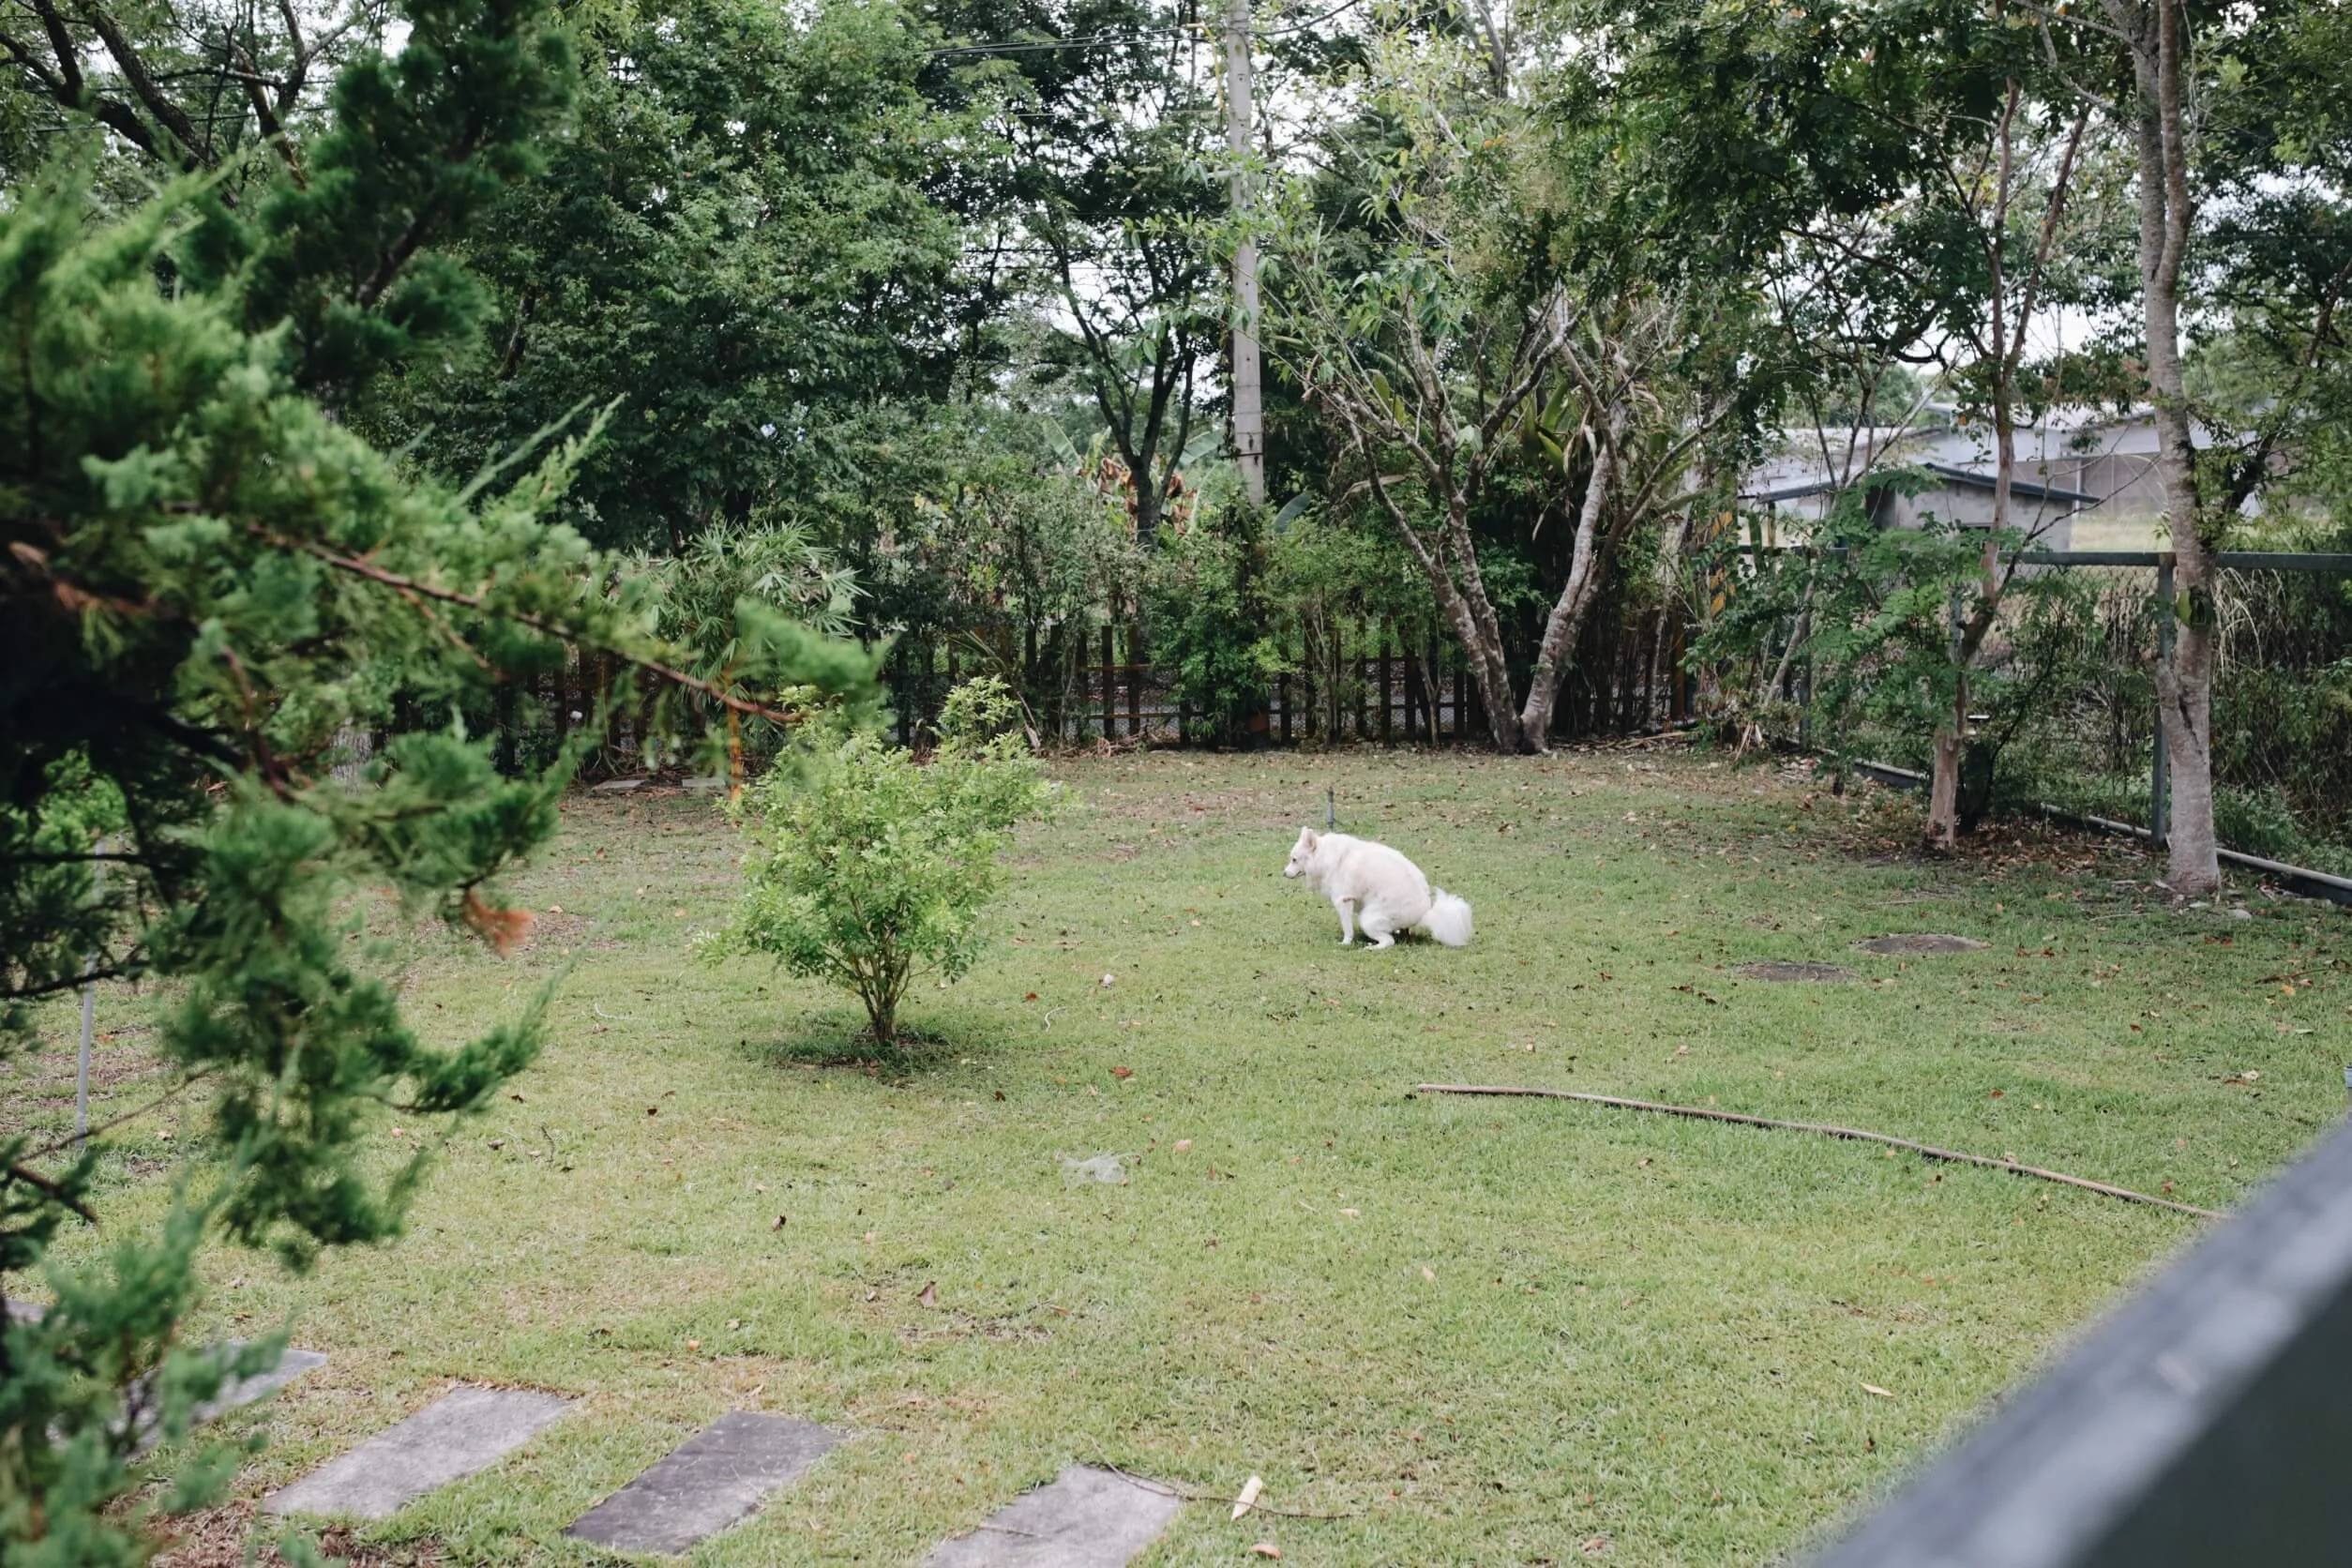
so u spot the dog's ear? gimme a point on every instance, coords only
(1307, 838)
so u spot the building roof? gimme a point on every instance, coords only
(2019, 486)
(1822, 483)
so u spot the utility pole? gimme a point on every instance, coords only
(1249, 417)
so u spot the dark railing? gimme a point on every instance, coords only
(2206, 1421)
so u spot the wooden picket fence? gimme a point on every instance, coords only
(1355, 683)
(1347, 683)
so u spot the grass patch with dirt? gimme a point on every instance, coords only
(1467, 1331)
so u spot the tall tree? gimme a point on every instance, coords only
(738, 239)
(1105, 219)
(208, 583)
(2242, 128)
(2154, 39)
(1506, 299)
(1915, 177)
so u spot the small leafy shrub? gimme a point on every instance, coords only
(869, 866)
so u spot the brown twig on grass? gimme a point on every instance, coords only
(1929, 1150)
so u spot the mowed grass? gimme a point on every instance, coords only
(1450, 1331)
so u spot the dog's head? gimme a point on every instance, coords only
(1302, 853)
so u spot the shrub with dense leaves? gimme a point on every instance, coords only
(871, 866)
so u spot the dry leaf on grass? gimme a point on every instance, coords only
(1248, 1498)
(928, 1296)
(1267, 1548)
(1882, 1392)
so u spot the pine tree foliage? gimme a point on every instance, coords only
(208, 588)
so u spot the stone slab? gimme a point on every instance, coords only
(244, 1390)
(715, 1478)
(1087, 1518)
(464, 1431)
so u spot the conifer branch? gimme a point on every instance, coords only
(409, 586)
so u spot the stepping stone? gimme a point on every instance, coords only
(1921, 942)
(717, 1476)
(236, 1391)
(617, 787)
(1781, 971)
(244, 1390)
(464, 1431)
(1087, 1518)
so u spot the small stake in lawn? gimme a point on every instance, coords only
(89, 1013)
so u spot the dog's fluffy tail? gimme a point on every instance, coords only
(1449, 919)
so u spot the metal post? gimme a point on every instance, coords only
(1331, 810)
(2159, 767)
(89, 1017)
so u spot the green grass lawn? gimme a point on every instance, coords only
(1453, 1331)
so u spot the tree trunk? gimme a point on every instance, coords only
(1565, 624)
(2184, 681)
(1943, 789)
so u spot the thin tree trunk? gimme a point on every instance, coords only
(2184, 682)
(1566, 625)
(1943, 790)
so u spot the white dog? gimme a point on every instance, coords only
(1373, 886)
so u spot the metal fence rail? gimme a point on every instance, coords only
(2208, 1422)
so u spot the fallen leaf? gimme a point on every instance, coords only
(1352, 1213)
(928, 1296)
(1108, 978)
(1428, 1273)
(1031, 996)
(694, 1344)
(1183, 1146)
(1882, 1392)
(778, 1224)
(1267, 1548)
(1122, 1072)
(1248, 1498)
(1597, 1546)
